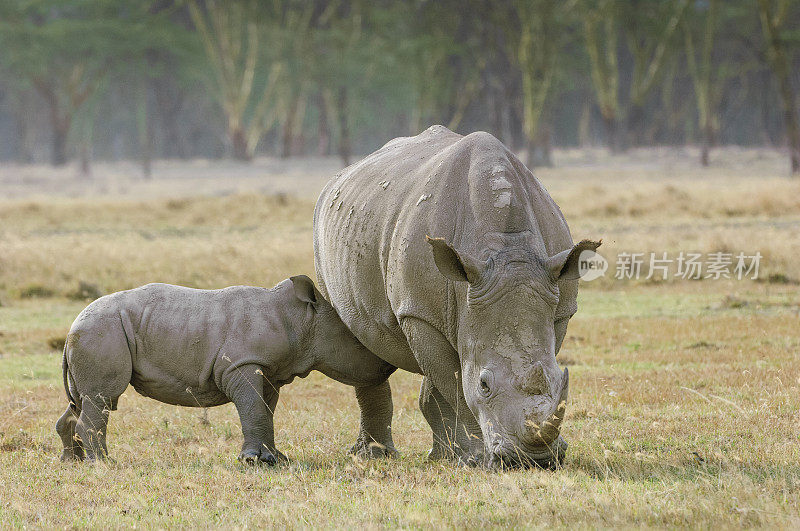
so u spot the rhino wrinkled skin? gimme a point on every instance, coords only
(446, 257)
(205, 348)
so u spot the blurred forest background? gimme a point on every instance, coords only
(114, 80)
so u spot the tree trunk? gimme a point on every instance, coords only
(780, 63)
(85, 155)
(344, 131)
(611, 126)
(288, 128)
(709, 141)
(635, 133)
(790, 119)
(147, 155)
(239, 145)
(59, 143)
(144, 127)
(704, 153)
(323, 129)
(539, 153)
(24, 150)
(585, 125)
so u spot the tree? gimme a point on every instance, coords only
(542, 27)
(649, 31)
(66, 50)
(600, 37)
(774, 17)
(705, 74)
(243, 41)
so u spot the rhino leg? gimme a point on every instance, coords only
(440, 365)
(271, 395)
(247, 394)
(443, 421)
(92, 425)
(65, 427)
(375, 430)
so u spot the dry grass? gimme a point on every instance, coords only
(51, 247)
(684, 398)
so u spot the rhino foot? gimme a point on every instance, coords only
(373, 450)
(254, 457)
(68, 455)
(280, 457)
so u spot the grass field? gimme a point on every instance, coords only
(684, 397)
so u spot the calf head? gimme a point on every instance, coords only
(338, 353)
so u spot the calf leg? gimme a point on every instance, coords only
(246, 391)
(65, 427)
(271, 395)
(375, 430)
(92, 424)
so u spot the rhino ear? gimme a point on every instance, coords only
(305, 290)
(454, 265)
(564, 265)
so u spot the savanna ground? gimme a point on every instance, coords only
(684, 395)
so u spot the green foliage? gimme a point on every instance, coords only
(285, 70)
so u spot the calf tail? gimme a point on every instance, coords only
(73, 404)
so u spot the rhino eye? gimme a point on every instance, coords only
(486, 382)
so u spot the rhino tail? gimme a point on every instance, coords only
(73, 404)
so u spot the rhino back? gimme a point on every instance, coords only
(371, 221)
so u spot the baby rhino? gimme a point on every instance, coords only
(204, 348)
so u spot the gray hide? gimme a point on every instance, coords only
(446, 257)
(204, 348)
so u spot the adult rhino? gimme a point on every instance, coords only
(445, 256)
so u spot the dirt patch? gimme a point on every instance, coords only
(57, 343)
(732, 302)
(86, 291)
(35, 291)
(704, 344)
(779, 278)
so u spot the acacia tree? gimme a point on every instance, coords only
(66, 50)
(600, 37)
(649, 33)
(774, 17)
(706, 74)
(542, 27)
(357, 52)
(444, 58)
(244, 41)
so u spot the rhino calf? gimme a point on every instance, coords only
(205, 348)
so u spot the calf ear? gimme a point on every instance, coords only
(457, 266)
(564, 265)
(304, 289)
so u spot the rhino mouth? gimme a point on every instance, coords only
(548, 457)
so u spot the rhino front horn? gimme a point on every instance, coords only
(550, 428)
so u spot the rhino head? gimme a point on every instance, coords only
(507, 344)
